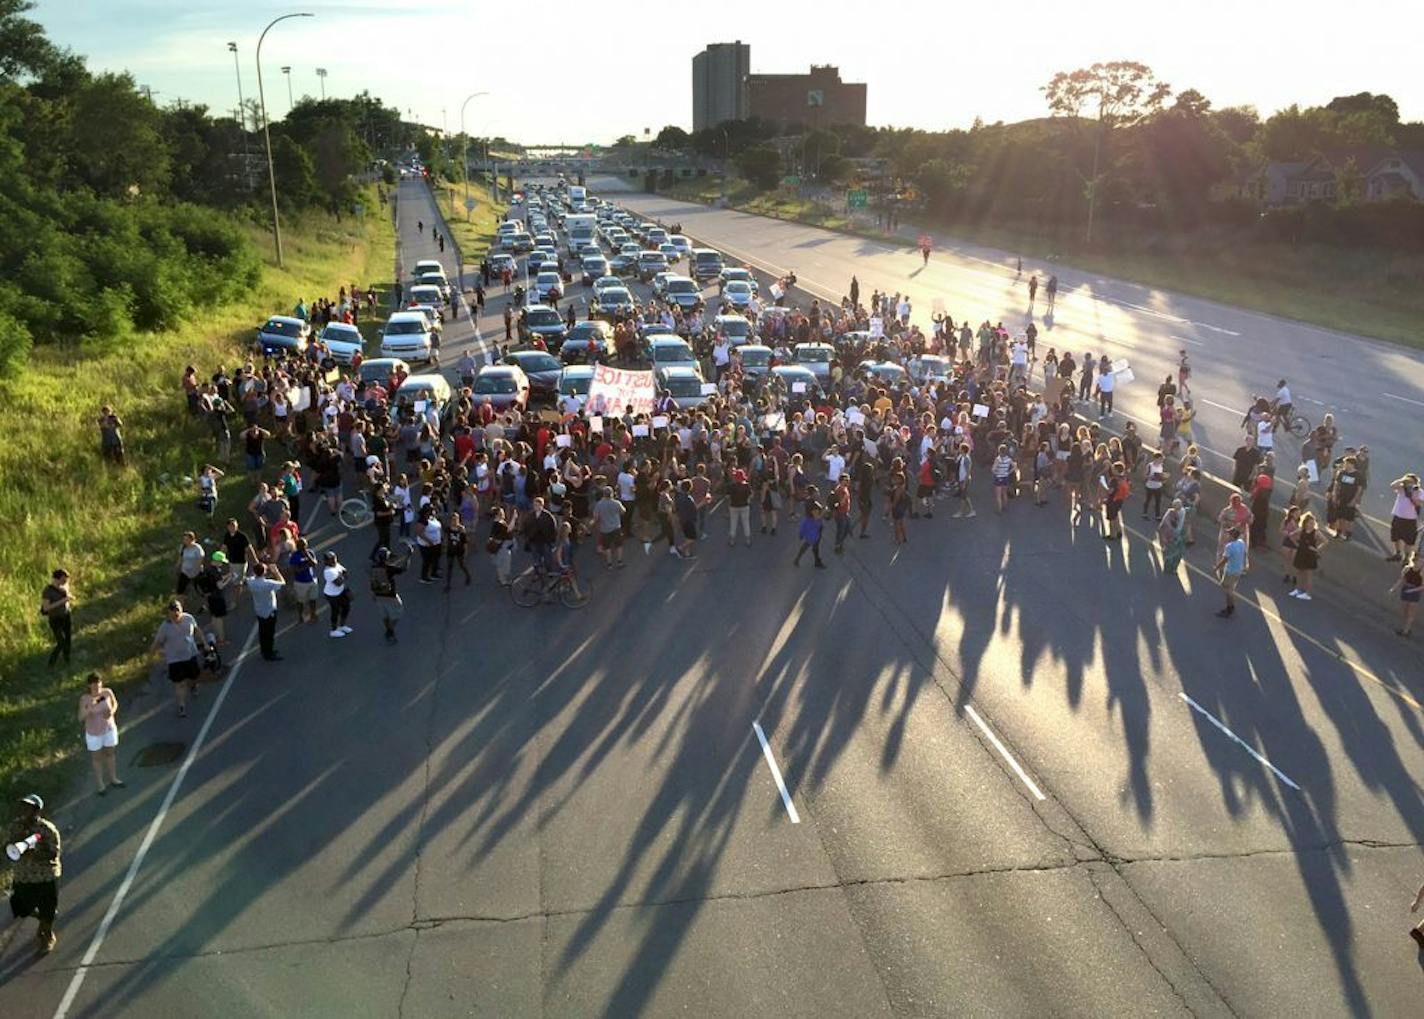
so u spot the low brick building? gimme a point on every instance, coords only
(814, 99)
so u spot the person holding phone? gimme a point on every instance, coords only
(97, 710)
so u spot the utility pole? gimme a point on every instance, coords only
(465, 148)
(242, 119)
(321, 73)
(288, 72)
(266, 130)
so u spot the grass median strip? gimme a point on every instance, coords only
(116, 529)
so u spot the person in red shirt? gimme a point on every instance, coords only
(464, 445)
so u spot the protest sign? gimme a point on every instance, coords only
(613, 389)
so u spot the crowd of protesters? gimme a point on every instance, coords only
(905, 421)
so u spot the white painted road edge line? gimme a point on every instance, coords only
(1417, 403)
(1237, 740)
(103, 930)
(775, 773)
(1004, 752)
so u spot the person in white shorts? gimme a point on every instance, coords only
(97, 709)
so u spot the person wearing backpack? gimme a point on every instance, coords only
(384, 570)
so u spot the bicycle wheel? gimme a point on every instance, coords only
(355, 513)
(574, 598)
(1299, 426)
(527, 589)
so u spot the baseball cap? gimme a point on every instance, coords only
(33, 799)
(219, 556)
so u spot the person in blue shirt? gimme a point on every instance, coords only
(1229, 568)
(810, 534)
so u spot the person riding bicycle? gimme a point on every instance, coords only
(1283, 404)
(541, 532)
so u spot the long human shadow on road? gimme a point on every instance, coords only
(1002, 582)
(496, 717)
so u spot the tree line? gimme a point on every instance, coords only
(119, 215)
(1119, 151)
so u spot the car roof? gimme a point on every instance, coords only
(813, 346)
(340, 327)
(425, 380)
(378, 362)
(754, 346)
(680, 278)
(793, 369)
(549, 274)
(501, 369)
(285, 319)
(538, 307)
(594, 325)
(406, 316)
(661, 337)
(679, 371)
(576, 370)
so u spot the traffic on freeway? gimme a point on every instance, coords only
(646, 624)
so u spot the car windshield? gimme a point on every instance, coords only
(495, 384)
(611, 296)
(544, 317)
(682, 287)
(683, 386)
(735, 327)
(813, 354)
(594, 264)
(707, 257)
(756, 358)
(280, 328)
(405, 327)
(578, 385)
(737, 274)
(739, 288)
(587, 331)
(672, 351)
(538, 363)
(654, 258)
(546, 278)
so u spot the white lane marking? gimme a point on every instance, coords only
(1218, 406)
(1417, 403)
(776, 774)
(1004, 752)
(1237, 740)
(103, 930)
(1216, 329)
(1188, 339)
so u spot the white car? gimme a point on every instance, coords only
(660, 280)
(574, 384)
(408, 335)
(343, 341)
(547, 285)
(608, 283)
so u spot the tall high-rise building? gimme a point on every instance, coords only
(718, 73)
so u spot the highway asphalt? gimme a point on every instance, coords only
(1007, 770)
(1374, 389)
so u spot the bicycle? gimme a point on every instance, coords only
(356, 512)
(1296, 423)
(536, 584)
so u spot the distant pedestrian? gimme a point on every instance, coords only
(111, 436)
(337, 591)
(177, 641)
(35, 875)
(384, 570)
(98, 708)
(810, 533)
(457, 544)
(1032, 288)
(57, 606)
(1411, 587)
(264, 584)
(1233, 562)
(1051, 291)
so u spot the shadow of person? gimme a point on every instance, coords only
(1048, 320)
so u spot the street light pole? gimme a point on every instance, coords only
(465, 148)
(242, 118)
(288, 72)
(266, 132)
(321, 73)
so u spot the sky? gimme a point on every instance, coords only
(591, 76)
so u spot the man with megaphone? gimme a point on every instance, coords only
(32, 847)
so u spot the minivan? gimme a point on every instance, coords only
(706, 264)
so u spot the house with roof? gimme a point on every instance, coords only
(1380, 173)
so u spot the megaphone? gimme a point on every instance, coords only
(15, 850)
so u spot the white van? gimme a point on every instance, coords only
(408, 336)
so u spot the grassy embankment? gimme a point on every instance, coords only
(117, 529)
(474, 232)
(1368, 292)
